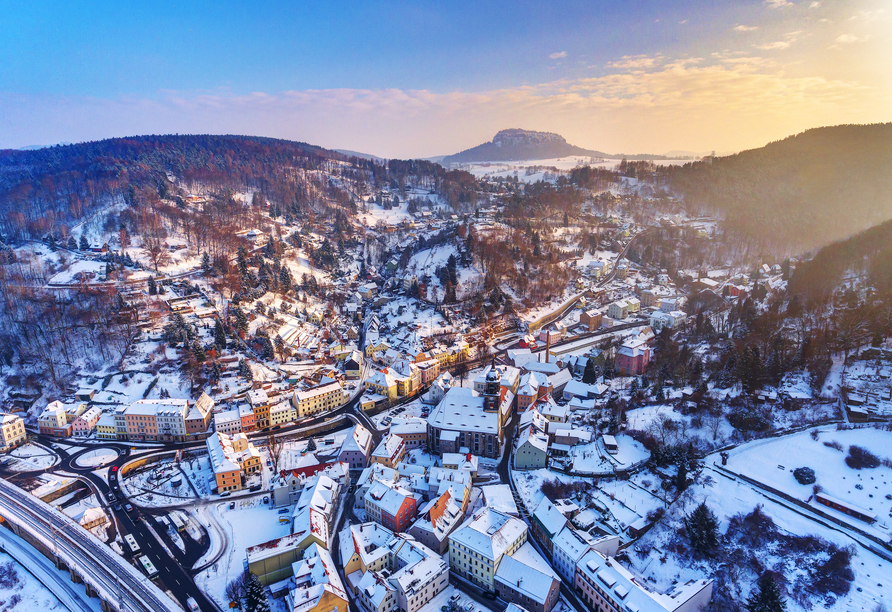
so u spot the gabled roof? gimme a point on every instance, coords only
(489, 533)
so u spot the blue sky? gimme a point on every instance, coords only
(426, 78)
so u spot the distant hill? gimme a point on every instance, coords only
(799, 193)
(515, 144)
(527, 145)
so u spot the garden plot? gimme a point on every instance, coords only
(31, 457)
(251, 522)
(594, 459)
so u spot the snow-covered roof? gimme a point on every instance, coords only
(534, 438)
(389, 498)
(489, 533)
(461, 409)
(570, 543)
(316, 391)
(528, 573)
(499, 497)
(547, 515)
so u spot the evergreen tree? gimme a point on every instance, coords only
(215, 372)
(153, 288)
(703, 529)
(244, 370)
(206, 264)
(255, 598)
(311, 445)
(681, 478)
(84, 245)
(72, 244)
(242, 261)
(52, 243)
(219, 335)
(285, 280)
(589, 376)
(241, 320)
(198, 351)
(767, 598)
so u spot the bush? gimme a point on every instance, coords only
(834, 444)
(804, 475)
(9, 577)
(861, 458)
(835, 575)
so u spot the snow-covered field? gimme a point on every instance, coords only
(772, 462)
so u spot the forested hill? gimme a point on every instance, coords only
(41, 188)
(799, 193)
(867, 254)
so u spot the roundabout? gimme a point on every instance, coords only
(96, 458)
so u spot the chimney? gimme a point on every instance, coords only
(547, 346)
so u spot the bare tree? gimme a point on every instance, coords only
(274, 447)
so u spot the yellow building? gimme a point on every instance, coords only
(318, 399)
(12, 432)
(384, 384)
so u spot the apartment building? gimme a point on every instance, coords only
(315, 400)
(391, 506)
(259, 402)
(390, 451)
(477, 547)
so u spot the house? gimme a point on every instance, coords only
(83, 425)
(281, 413)
(356, 448)
(247, 418)
(499, 497)
(105, 427)
(476, 549)
(198, 418)
(391, 506)
(12, 432)
(228, 422)
(389, 571)
(413, 431)
(436, 520)
(591, 319)
(438, 389)
(533, 385)
(671, 320)
(632, 361)
(525, 578)
(273, 561)
(353, 365)
(317, 584)
(532, 450)
(555, 413)
(461, 461)
(53, 421)
(382, 383)
(259, 401)
(368, 290)
(231, 459)
(547, 521)
(390, 451)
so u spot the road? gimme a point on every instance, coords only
(170, 573)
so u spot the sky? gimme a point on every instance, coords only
(422, 78)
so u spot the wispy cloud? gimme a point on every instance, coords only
(636, 62)
(848, 39)
(745, 28)
(789, 39)
(814, 5)
(776, 4)
(558, 55)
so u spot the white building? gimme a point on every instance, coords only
(477, 547)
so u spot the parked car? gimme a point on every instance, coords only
(265, 499)
(232, 505)
(117, 507)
